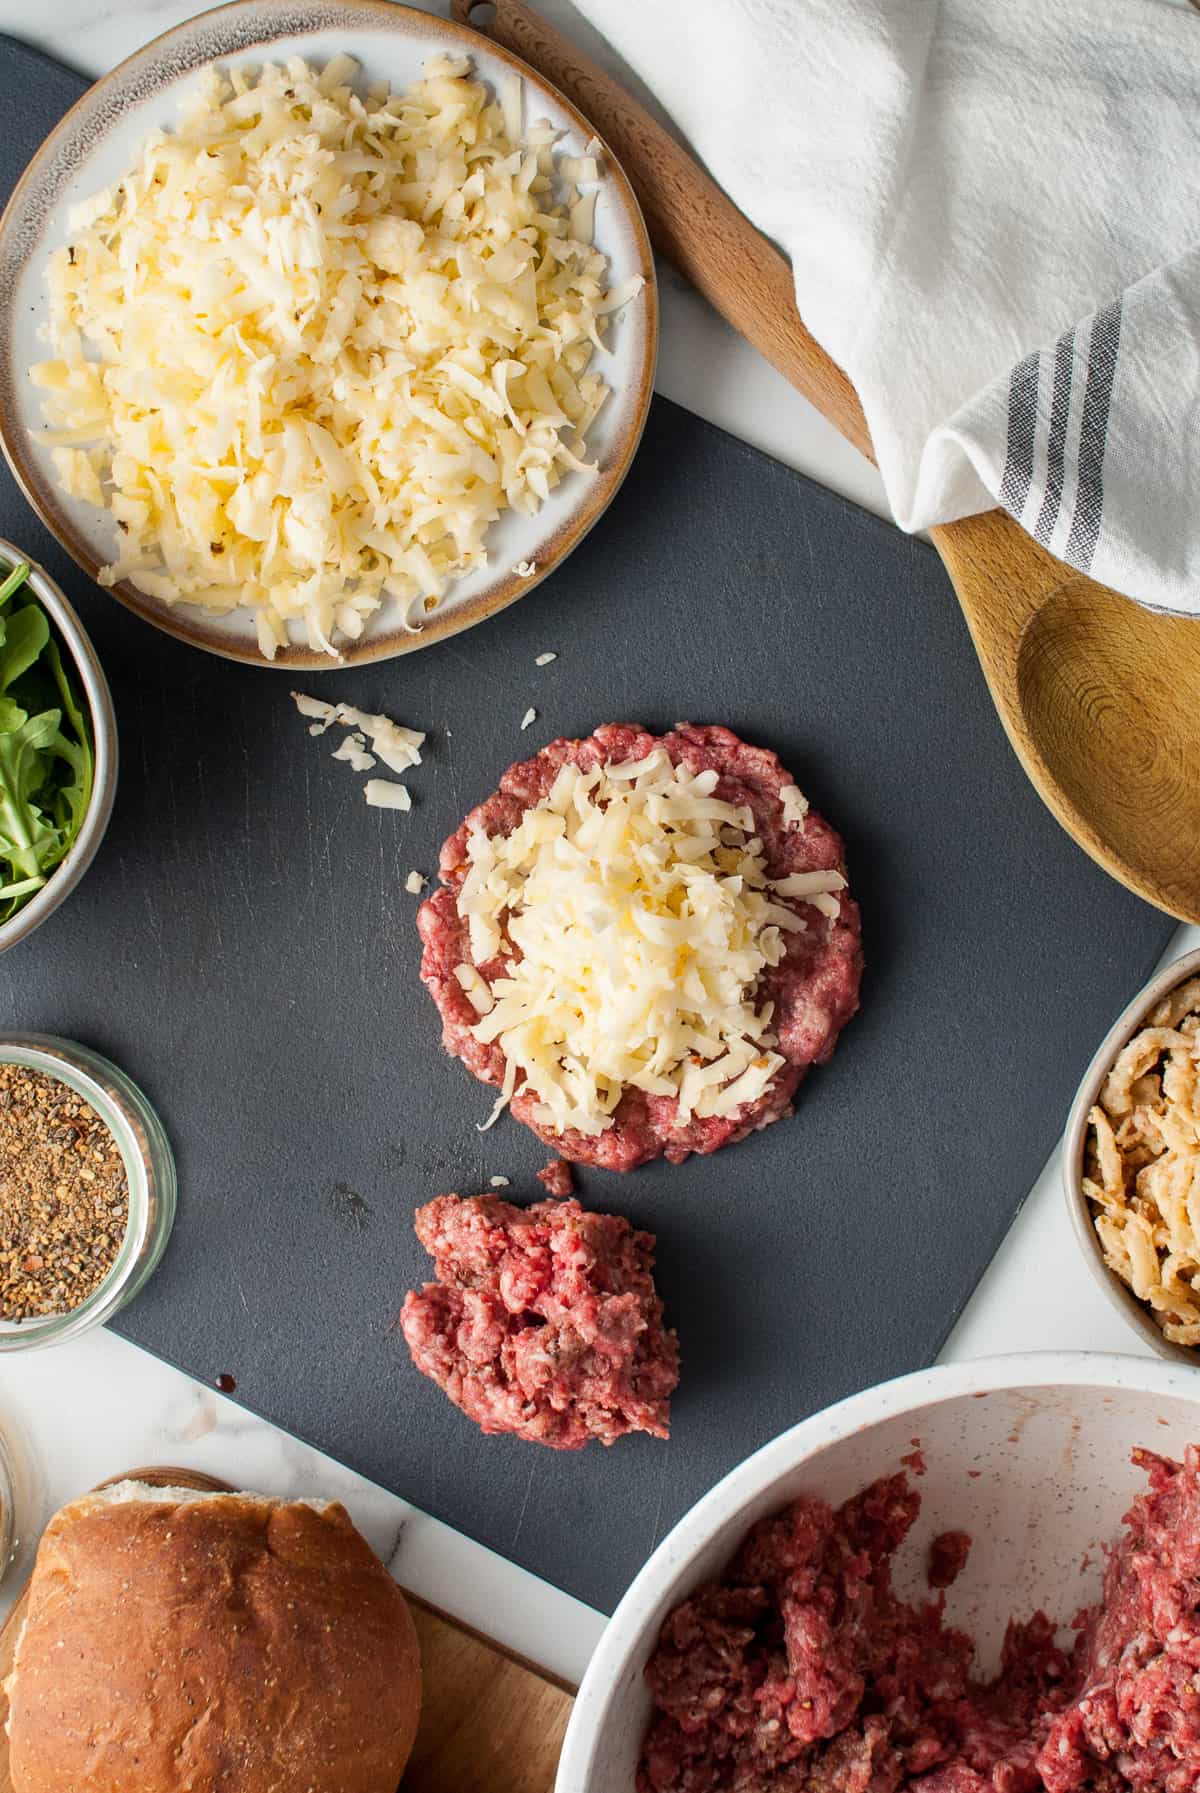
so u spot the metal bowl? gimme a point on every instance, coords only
(73, 638)
(1123, 1029)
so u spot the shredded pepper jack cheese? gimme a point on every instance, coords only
(313, 345)
(643, 916)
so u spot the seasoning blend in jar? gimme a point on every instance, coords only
(64, 1196)
(87, 1190)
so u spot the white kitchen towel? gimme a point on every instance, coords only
(993, 214)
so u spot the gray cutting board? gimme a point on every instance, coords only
(244, 947)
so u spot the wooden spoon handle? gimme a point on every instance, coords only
(696, 226)
(1002, 577)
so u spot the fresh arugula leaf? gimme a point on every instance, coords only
(70, 800)
(47, 765)
(82, 762)
(14, 582)
(23, 887)
(27, 836)
(26, 635)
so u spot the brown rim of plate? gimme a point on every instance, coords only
(507, 587)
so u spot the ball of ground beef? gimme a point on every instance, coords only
(814, 989)
(544, 1321)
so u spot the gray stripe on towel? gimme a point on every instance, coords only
(1056, 439)
(1022, 434)
(1093, 437)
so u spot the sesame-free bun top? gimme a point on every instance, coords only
(179, 1642)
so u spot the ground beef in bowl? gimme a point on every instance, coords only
(801, 1671)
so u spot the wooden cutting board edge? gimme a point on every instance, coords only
(490, 1721)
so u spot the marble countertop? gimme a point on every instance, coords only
(88, 1410)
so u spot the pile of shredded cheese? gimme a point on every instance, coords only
(313, 345)
(644, 918)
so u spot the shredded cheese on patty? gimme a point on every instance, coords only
(314, 344)
(643, 916)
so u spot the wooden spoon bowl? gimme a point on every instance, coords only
(1130, 772)
(1094, 692)
(1100, 698)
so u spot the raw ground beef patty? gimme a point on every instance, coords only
(814, 988)
(802, 1672)
(544, 1321)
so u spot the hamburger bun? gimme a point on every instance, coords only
(179, 1642)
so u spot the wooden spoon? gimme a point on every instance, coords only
(1097, 695)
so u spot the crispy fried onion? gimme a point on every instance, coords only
(1142, 1164)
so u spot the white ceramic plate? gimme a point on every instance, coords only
(96, 144)
(1028, 1454)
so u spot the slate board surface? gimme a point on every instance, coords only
(244, 947)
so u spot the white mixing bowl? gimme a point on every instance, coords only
(1029, 1454)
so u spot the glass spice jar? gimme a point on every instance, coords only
(8, 1509)
(149, 1170)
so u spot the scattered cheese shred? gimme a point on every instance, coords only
(382, 793)
(354, 749)
(318, 339)
(398, 747)
(818, 888)
(415, 883)
(644, 918)
(545, 659)
(476, 991)
(528, 719)
(316, 707)
(498, 1182)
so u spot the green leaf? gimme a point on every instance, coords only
(47, 765)
(26, 636)
(26, 833)
(33, 737)
(70, 702)
(14, 582)
(69, 804)
(82, 760)
(24, 887)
